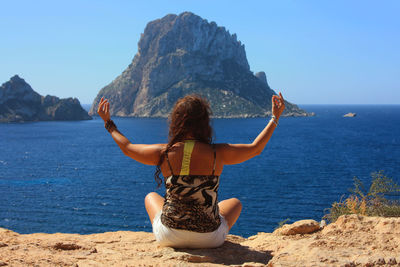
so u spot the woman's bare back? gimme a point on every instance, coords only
(201, 163)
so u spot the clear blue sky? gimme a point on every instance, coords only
(315, 52)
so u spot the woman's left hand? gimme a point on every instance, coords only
(104, 109)
(278, 105)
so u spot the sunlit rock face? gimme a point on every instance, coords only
(184, 54)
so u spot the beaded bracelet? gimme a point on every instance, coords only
(274, 120)
(109, 125)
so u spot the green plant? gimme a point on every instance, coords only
(373, 202)
(282, 223)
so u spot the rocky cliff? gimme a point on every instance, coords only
(19, 103)
(351, 241)
(183, 54)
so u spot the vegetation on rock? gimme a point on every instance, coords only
(378, 200)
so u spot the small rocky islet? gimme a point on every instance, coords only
(349, 115)
(20, 103)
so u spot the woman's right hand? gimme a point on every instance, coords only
(278, 105)
(104, 109)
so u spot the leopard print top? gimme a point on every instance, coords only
(191, 202)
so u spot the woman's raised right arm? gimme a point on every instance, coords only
(238, 153)
(143, 153)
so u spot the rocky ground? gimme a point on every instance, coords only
(352, 241)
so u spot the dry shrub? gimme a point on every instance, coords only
(379, 200)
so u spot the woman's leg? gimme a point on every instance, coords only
(230, 209)
(153, 203)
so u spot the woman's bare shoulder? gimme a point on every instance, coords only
(148, 154)
(222, 146)
(234, 153)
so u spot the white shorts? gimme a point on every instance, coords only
(178, 238)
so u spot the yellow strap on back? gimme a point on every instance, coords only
(187, 153)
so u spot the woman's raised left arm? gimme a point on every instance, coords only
(146, 154)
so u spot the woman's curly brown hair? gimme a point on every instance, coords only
(190, 115)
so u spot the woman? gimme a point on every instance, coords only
(189, 216)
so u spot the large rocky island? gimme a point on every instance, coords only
(20, 103)
(183, 54)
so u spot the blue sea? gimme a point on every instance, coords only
(71, 177)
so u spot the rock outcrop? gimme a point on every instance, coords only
(349, 115)
(299, 227)
(19, 103)
(183, 54)
(352, 241)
